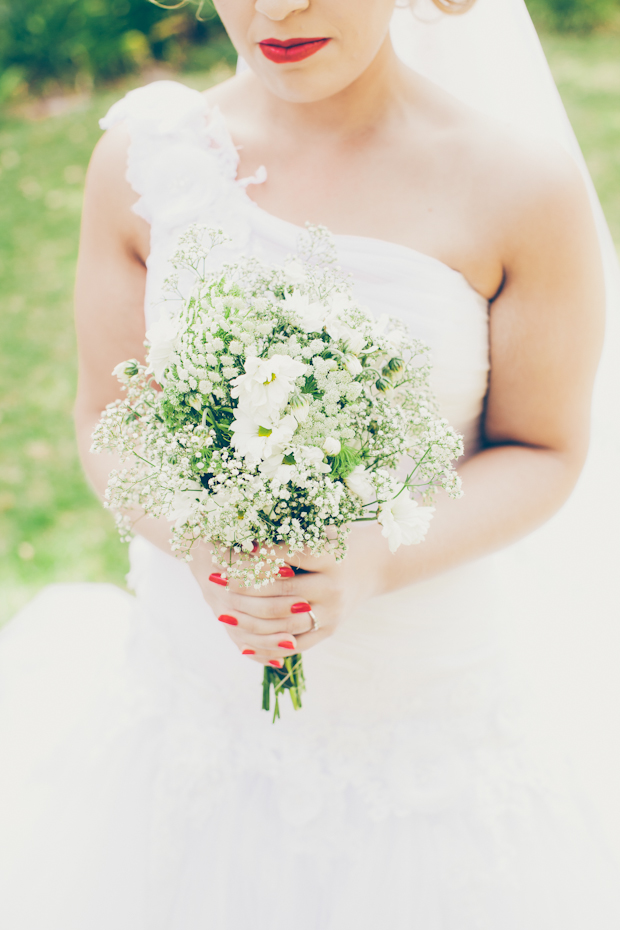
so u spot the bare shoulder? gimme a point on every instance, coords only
(527, 186)
(109, 197)
(529, 175)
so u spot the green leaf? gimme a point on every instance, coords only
(344, 463)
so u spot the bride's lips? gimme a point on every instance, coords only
(290, 49)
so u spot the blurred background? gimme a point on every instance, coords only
(62, 64)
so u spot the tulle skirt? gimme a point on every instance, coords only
(142, 788)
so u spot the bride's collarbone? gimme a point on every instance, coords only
(439, 224)
(433, 186)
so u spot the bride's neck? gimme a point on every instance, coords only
(369, 100)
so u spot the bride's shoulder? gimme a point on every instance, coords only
(521, 190)
(138, 127)
(509, 165)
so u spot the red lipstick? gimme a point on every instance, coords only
(282, 51)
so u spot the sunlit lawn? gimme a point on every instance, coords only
(51, 526)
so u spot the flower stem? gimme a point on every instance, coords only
(288, 678)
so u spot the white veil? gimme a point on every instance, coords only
(562, 581)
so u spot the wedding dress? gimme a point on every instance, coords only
(142, 788)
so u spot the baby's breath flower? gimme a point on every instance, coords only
(285, 410)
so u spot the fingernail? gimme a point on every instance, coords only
(216, 578)
(286, 644)
(275, 662)
(226, 618)
(255, 547)
(301, 608)
(248, 652)
(286, 572)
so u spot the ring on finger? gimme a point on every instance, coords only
(315, 623)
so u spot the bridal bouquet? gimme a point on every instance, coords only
(274, 412)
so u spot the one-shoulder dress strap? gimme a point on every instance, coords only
(180, 157)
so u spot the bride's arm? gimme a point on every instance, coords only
(546, 332)
(109, 301)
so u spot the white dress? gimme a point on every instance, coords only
(141, 786)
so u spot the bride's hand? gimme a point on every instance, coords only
(274, 621)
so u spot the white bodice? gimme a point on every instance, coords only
(183, 164)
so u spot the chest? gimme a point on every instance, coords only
(396, 194)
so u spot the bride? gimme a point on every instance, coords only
(142, 787)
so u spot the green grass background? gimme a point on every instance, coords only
(51, 526)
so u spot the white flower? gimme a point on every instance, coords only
(403, 521)
(331, 446)
(263, 391)
(123, 371)
(294, 272)
(256, 442)
(163, 339)
(338, 329)
(300, 407)
(353, 365)
(312, 455)
(356, 341)
(274, 469)
(339, 303)
(269, 466)
(186, 503)
(359, 483)
(311, 315)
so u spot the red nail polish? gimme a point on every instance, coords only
(301, 608)
(286, 572)
(275, 662)
(255, 548)
(248, 652)
(286, 644)
(226, 618)
(216, 578)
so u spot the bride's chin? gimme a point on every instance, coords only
(302, 84)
